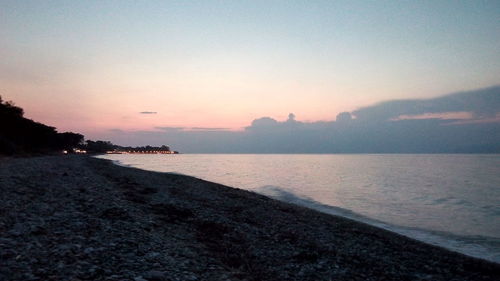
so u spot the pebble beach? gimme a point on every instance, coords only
(81, 218)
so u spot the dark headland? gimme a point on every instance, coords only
(81, 218)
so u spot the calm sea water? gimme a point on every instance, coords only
(448, 200)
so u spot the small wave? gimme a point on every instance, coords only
(451, 201)
(476, 246)
(119, 163)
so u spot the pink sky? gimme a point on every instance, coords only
(92, 67)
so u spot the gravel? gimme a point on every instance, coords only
(81, 218)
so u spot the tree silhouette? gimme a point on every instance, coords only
(19, 135)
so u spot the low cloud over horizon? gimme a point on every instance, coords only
(483, 103)
(459, 122)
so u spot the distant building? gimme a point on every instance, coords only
(142, 150)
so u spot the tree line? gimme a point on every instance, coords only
(105, 146)
(19, 135)
(23, 136)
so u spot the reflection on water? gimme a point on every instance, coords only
(445, 195)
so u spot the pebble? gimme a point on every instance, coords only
(151, 255)
(154, 275)
(88, 251)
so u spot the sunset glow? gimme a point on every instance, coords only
(95, 66)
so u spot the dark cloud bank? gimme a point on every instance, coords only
(373, 129)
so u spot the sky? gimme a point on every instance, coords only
(123, 69)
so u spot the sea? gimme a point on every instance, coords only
(449, 200)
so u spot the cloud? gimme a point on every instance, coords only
(187, 129)
(148, 112)
(434, 131)
(263, 122)
(344, 117)
(483, 103)
(207, 129)
(170, 129)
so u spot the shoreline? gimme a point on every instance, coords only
(487, 249)
(81, 217)
(450, 242)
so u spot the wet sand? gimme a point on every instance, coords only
(81, 218)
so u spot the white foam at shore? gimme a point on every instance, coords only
(464, 245)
